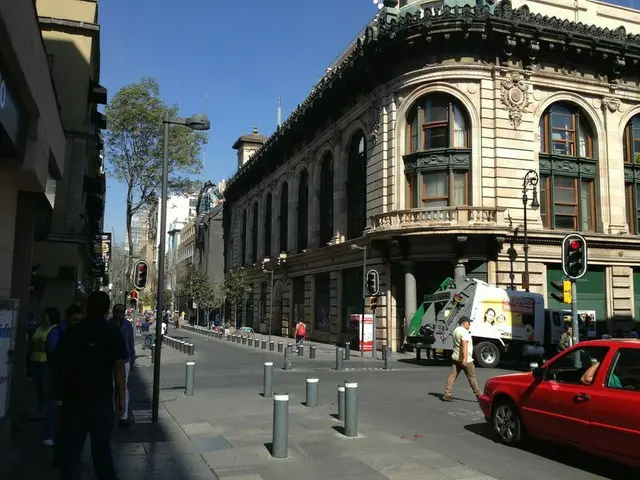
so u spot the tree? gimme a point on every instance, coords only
(119, 271)
(206, 295)
(148, 298)
(134, 141)
(236, 287)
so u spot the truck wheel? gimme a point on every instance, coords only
(506, 422)
(487, 354)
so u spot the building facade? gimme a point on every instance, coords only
(68, 236)
(32, 154)
(416, 146)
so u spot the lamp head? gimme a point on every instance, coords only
(534, 201)
(198, 121)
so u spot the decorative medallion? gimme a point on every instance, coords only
(611, 103)
(515, 96)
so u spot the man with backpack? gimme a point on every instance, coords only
(90, 357)
(301, 333)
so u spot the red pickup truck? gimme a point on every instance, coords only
(588, 396)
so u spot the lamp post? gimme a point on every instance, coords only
(363, 249)
(196, 122)
(530, 180)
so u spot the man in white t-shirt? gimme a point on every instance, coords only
(462, 359)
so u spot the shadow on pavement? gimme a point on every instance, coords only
(569, 456)
(440, 396)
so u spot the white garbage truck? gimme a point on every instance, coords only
(504, 323)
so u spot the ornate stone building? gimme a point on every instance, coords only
(417, 144)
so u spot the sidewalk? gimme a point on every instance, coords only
(145, 451)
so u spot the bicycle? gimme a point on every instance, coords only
(244, 331)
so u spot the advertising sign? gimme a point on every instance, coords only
(365, 331)
(101, 254)
(8, 314)
(502, 316)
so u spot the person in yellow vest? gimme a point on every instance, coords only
(44, 392)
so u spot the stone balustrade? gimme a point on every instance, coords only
(454, 217)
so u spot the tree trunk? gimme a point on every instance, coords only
(130, 241)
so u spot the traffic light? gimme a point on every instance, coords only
(563, 294)
(373, 282)
(133, 298)
(140, 274)
(574, 256)
(373, 303)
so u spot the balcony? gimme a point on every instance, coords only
(439, 218)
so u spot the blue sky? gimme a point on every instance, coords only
(240, 54)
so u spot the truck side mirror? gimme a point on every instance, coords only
(538, 373)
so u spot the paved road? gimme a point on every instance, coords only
(402, 404)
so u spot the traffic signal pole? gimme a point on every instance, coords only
(575, 327)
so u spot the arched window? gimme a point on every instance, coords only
(357, 186)
(303, 211)
(243, 239)
(631, 147)
(567, 169)
(326, 199)
(268, 217)
(284, 217)
(254, 234)
(438, 153)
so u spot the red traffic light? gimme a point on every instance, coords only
(134, 294)
(575, 244)
(142, 268)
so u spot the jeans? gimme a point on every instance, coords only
(469, 370)
(299, 341)
(96, 419)
(46, 402)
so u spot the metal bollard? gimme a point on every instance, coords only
(288, 353)
(190, 380)
(347, 350)
(250, 341)
(267, 388)
(228, 338)
(280, 347)
(256, 343)
(388, 356)
(280, 445)
(192, 349)
(181, 345)
(339, 358)
(532, 366)
(301, 351)
(244, 340)
(264, 344)
(312, 392)
(341, 403)
(350, 409)
(312, 352)
(272, 346)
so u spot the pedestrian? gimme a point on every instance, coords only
(462, 359)
(90, 356)
(73, 316)
(301, 333)
(118, 320)
(566, 340)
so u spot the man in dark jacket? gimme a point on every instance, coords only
(91, 360)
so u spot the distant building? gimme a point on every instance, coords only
(139, 230)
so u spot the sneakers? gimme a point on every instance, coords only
(48, 442)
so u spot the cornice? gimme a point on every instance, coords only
(507, 32)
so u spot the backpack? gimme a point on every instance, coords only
(301, 330)
(86, 369)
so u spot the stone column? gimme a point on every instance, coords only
(410, 294)
(275, 224)
(292, 242)
(314, 209)
(611, 171)
(459, 272)
(260, 244)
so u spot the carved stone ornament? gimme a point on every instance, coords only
(515, 96)
(611, 103)
(374, 121)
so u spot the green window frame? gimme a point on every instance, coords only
(631, 151)
(568, 169)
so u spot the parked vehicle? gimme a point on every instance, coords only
(587, 396)
(503, 322)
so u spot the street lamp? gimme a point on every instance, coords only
(530, 180)
(198, 122)
(363, 249)
(265, 261)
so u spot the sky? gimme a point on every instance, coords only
(227, 58)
